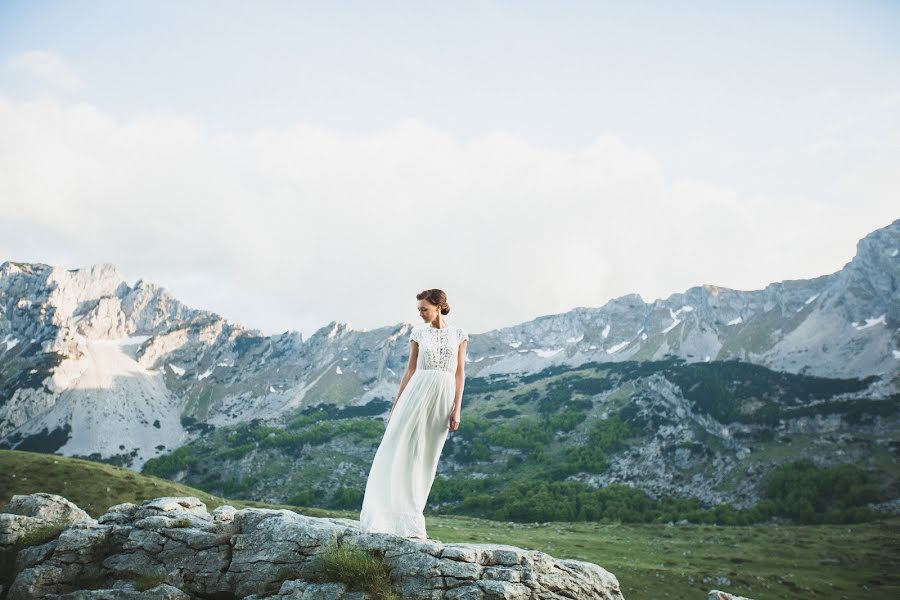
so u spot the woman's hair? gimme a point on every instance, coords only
(436, 297)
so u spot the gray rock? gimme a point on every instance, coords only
(254, 553)
(120, 513)
(32, 555)
(720, 595)
(160, 592)
(49, 507)
(306, 590)
(26, 515)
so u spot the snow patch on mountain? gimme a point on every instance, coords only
(870, 322)
(675, 321)
(617, 347)
(177, 370)
(547, 352)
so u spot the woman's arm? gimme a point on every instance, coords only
(460, 384)
(410, 369)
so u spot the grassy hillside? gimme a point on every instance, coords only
(650, 560)
(94, 486)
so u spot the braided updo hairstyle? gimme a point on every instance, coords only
(436, 297)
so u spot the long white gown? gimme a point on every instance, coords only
(405, 463)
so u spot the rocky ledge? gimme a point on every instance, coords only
(174, 549)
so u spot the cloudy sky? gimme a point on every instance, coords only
(286, 164)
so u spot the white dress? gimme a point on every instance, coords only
(405, 463)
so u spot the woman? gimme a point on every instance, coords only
(426, 409)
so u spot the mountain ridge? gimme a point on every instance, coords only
(92, 366)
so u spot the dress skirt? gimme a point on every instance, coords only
(405, 463)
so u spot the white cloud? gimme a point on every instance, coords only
(890, 100)
(48, 67)
(293, 228)
(876, 181)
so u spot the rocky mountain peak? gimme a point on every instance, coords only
(74, 340)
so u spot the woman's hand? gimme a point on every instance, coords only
(454, 419)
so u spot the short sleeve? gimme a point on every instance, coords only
(414, 335)
(462, 335)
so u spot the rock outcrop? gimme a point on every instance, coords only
(720, 595)
(173, 548)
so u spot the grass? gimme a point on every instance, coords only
(359, 569)
(95, 486)
(660, 561)
(650, 560)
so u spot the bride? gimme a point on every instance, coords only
(426, 409)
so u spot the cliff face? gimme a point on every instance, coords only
(185, 551)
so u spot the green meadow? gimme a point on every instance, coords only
(650, 560)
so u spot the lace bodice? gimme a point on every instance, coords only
(438, 348)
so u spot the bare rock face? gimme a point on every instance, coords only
(25, 513)
(49, 507)
(720, 595)
(160, 592)
(187, 552)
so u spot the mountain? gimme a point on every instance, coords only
(840, 325)
(92, 366)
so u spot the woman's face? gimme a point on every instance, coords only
(428, 311)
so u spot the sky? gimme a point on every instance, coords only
(288, 164)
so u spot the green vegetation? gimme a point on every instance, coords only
(240, 440)
(279, 451)
(799, 491)
(530, 434)
(359, 569)
(728, 389)
(547, 426)
(525, 433)
(94, 487)
(806, 493)
(604, 436)
(650, 560)
(656, 561)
